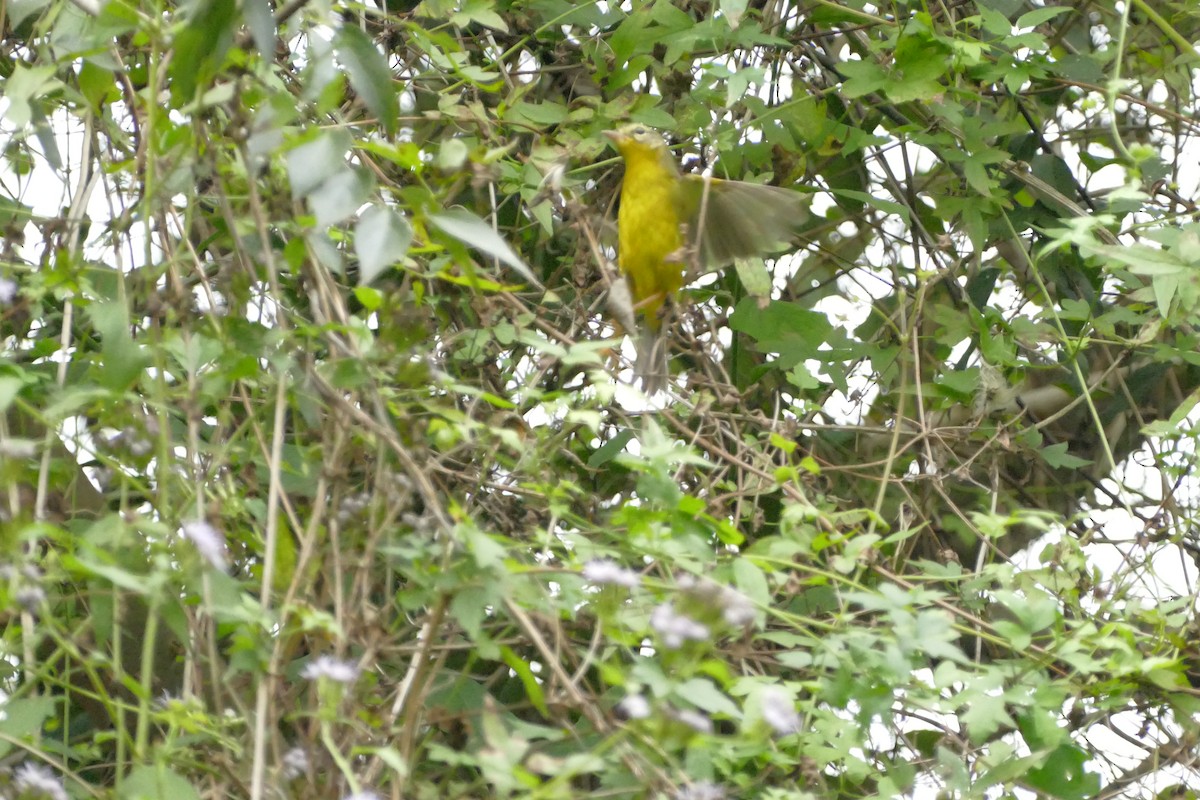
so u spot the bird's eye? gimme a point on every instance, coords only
(639, 131)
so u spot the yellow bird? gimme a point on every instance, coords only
(668, 221)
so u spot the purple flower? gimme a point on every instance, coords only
(330, 668)
(209, 541)
(674, 628)
(634, 706)
(35, 782)
(8, 291)
(602, 570)
(779, 712)
(702, 790)
(735, 607)
(295, 763)
(30, 598)
(694, 720)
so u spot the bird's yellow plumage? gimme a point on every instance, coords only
(650, 226)
(667, 218)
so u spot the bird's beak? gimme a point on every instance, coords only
(616, 137)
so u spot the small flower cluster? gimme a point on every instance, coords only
(779, 712)
(736, 609)
(36, 782)
(674, 628)
(352, 505)
(602, 571)
(701, 790)
(30, 598)
(395, 489)
(696, 720)
(25, 586)
(636, 706)
(330, 668)
(421, 524)
(135, 439)
(209, 542)
(706, 604)
(295, 763)
(8, 291)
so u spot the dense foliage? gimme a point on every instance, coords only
(322, 470)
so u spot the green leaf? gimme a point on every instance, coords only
(1177, 416)
(156, 782)
(96, 84)
(24, 90)
(1165, 287)
(47, 139)
(469, 608)
(886, 206)
(481, 12)
(960, 384)
(1039, 15)
(540, 115)
(1064, 776)
(474, 232)
(754, 275)
(976, 173)
(864, 77)
(124, 358)
(1150, 261)
(369, 74)
(10, 387)
(652, 116)
(782, 442)
(752, 582)
(341, 195)
(391, 757)
(986, 714)
(1056, 455)
(993, 21)
(115, 575)
(738, 83)
(23, 719)
(452, 155)
(533, 689)
(705, 696)
(200, 47)
(1079, 67)
(312, 163)
(733, 10)
(785, 328)
(13, 213)
(611, 449)
(381, 239)
(19, 10)
(261, 22)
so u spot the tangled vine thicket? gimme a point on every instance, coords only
(324, 476)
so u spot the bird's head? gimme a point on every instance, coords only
(639, 142)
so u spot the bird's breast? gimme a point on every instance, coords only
(649, 230)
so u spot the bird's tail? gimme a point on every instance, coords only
(652, 355)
